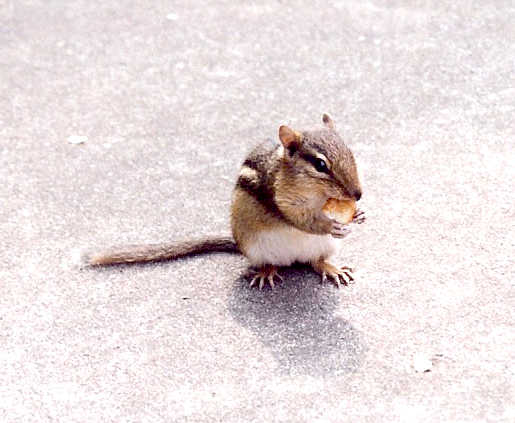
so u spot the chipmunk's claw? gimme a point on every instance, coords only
(336, 274)
(341, 275)
(266, 274)
(359, 216)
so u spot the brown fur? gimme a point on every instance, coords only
(249, 217)
(158, 252)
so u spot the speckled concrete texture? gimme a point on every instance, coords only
(126, 122)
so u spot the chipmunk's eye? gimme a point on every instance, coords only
(320, 165)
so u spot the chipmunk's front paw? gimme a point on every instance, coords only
(336, 274)
(266, 274)
(359, 216)
(339, 230)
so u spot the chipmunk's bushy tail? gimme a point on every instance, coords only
(160, 252)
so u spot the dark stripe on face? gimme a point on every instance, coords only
(315, 162)
(310, 159)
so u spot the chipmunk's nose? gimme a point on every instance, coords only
(357, 194)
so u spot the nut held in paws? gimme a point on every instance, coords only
(340, 210)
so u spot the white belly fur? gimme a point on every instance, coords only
(282, 247)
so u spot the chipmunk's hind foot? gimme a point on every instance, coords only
(336, 274)
(266, 274)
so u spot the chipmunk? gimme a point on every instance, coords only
(276, 212)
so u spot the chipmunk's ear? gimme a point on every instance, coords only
(289, 137)
(327, 121)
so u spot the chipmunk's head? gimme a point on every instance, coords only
(320, 160)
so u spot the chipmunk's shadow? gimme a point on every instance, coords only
(297, 322)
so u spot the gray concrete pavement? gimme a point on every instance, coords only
(170, 96)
